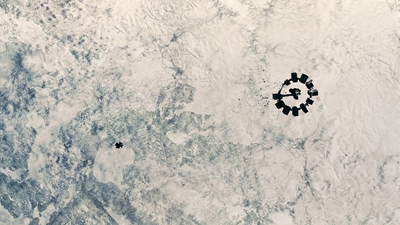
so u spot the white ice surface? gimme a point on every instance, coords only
(337, 164)
(110, 164)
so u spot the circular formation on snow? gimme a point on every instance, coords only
(295, 92)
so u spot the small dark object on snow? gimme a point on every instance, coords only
(295, 92)
(119, 145)
(277, 96)
(313, 92)
(286, 109)
(309, 85)
(280, 104)
(295, 111)
(303, 78)
(294, 77)
(304, 108)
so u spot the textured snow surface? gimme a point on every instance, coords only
(187, 86)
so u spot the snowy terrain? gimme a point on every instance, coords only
(187, 86)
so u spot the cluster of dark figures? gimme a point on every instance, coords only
(295, 92)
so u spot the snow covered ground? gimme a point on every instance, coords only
(187, 87)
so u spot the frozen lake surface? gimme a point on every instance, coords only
(187, 87)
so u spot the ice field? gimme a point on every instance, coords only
(187, 87)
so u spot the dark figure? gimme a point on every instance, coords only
(303, 78)
(280, 104)
(313, 92)
(295, 92)
(309, 84)
(119, 145)
(286, 109)
(277, 96)
(304, 108)
(295, 111)
(294, 77)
